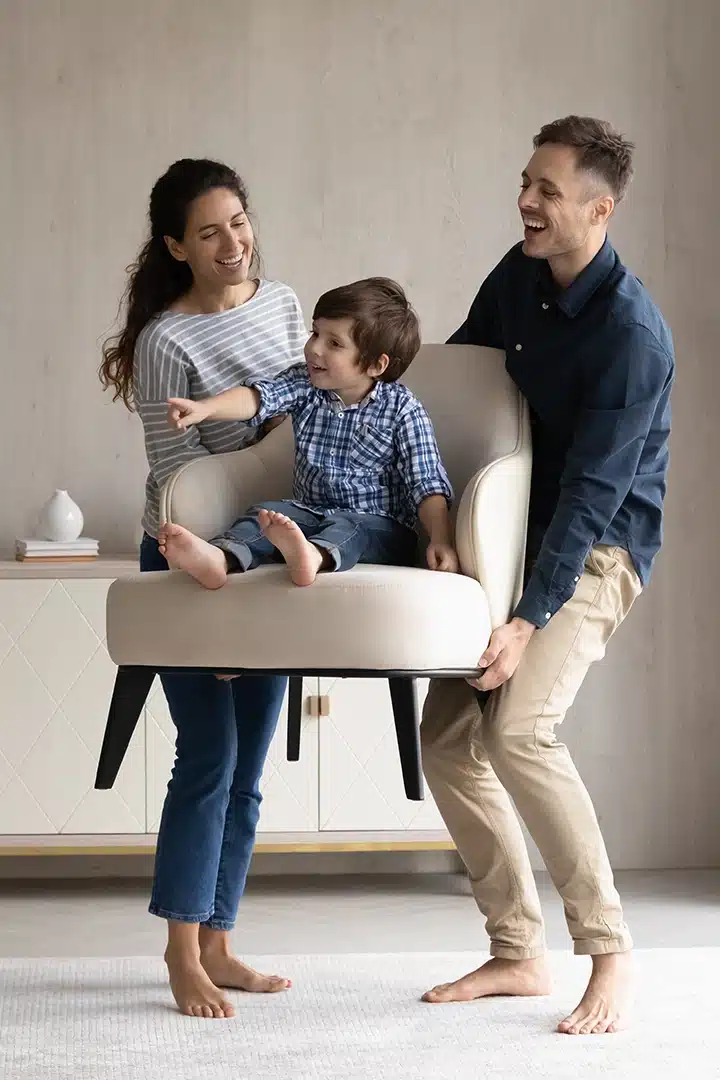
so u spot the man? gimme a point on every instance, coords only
(593, 357)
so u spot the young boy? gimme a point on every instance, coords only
(367, 465)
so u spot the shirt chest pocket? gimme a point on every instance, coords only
(371, 449)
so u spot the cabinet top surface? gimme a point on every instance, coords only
(108, 566)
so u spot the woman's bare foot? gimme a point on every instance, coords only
(185, 551)
(605, 1007)
(224, 968)
(193, 990)
(231, 973)
(304, 560)
(498, 977)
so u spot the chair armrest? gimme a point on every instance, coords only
(491, 528)
(209, 493)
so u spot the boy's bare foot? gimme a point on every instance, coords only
(227, 971)
(498, 977)
(185, 551)
(605, 1007)
(303, 559)
(193, 990)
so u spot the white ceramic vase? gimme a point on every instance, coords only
(61, 519)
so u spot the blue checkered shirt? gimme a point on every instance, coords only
(378, 457)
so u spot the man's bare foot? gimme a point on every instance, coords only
(185, 551)
(194, 991)
(227, 971)
(606, 1003)
(498, 977)
(303, 559)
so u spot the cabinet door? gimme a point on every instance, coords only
(361, 784)
(56, 681)
(289, 788)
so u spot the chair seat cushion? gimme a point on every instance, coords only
(385, 618)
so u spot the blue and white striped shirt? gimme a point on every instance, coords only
(196, 356)
(377, 457)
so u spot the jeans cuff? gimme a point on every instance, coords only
(164, 913)
(240, 553)
(332, 550)
(219, 924)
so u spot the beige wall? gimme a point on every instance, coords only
(382, 137)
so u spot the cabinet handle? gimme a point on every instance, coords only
(318, 704)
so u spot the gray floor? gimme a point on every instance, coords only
(343, 913)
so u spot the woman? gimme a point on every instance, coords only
(199, 321)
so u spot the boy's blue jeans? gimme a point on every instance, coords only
(349, 538)
(211, 810)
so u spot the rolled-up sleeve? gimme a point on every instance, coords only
(418, 456)
(610, 432)
(281, 395)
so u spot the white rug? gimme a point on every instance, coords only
(349, 1016)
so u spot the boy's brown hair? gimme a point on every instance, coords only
(383, 321)
(600, 149)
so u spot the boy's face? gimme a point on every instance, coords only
(333, 359)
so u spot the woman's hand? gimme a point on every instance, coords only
(183, 413)
(442, 557)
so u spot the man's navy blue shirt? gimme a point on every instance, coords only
(595, 363)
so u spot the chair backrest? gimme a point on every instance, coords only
(482, 429)
(476, 408)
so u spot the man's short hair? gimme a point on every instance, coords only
(600, 149)
(383, 321)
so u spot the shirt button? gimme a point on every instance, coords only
(576, 580)
(518, 348)
(548, 615)
(545, 307)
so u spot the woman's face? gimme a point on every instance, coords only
(218, 241)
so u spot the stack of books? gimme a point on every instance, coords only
(81, 550)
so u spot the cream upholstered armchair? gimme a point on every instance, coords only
(398, 623)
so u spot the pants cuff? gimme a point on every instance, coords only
(165, 913)
(332, 550)
(516, 952)
(594, 947)
(241, 557)
(219, 924)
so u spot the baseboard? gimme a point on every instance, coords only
(267, 843)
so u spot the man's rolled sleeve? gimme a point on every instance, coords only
(610, 433)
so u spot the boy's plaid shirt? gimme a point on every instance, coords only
(378, 457)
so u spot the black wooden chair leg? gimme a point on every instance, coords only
(294, 717)
(132, 686)
(407, 729)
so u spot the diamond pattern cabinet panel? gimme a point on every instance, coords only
(56, 680)
(360, 779)
(289, 788)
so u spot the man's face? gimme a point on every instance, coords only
(561, 206)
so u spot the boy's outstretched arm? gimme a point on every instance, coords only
(241, 403)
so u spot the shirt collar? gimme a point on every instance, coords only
(338, 405)
(573, 299)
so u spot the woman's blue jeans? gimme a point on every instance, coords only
(212, 806)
